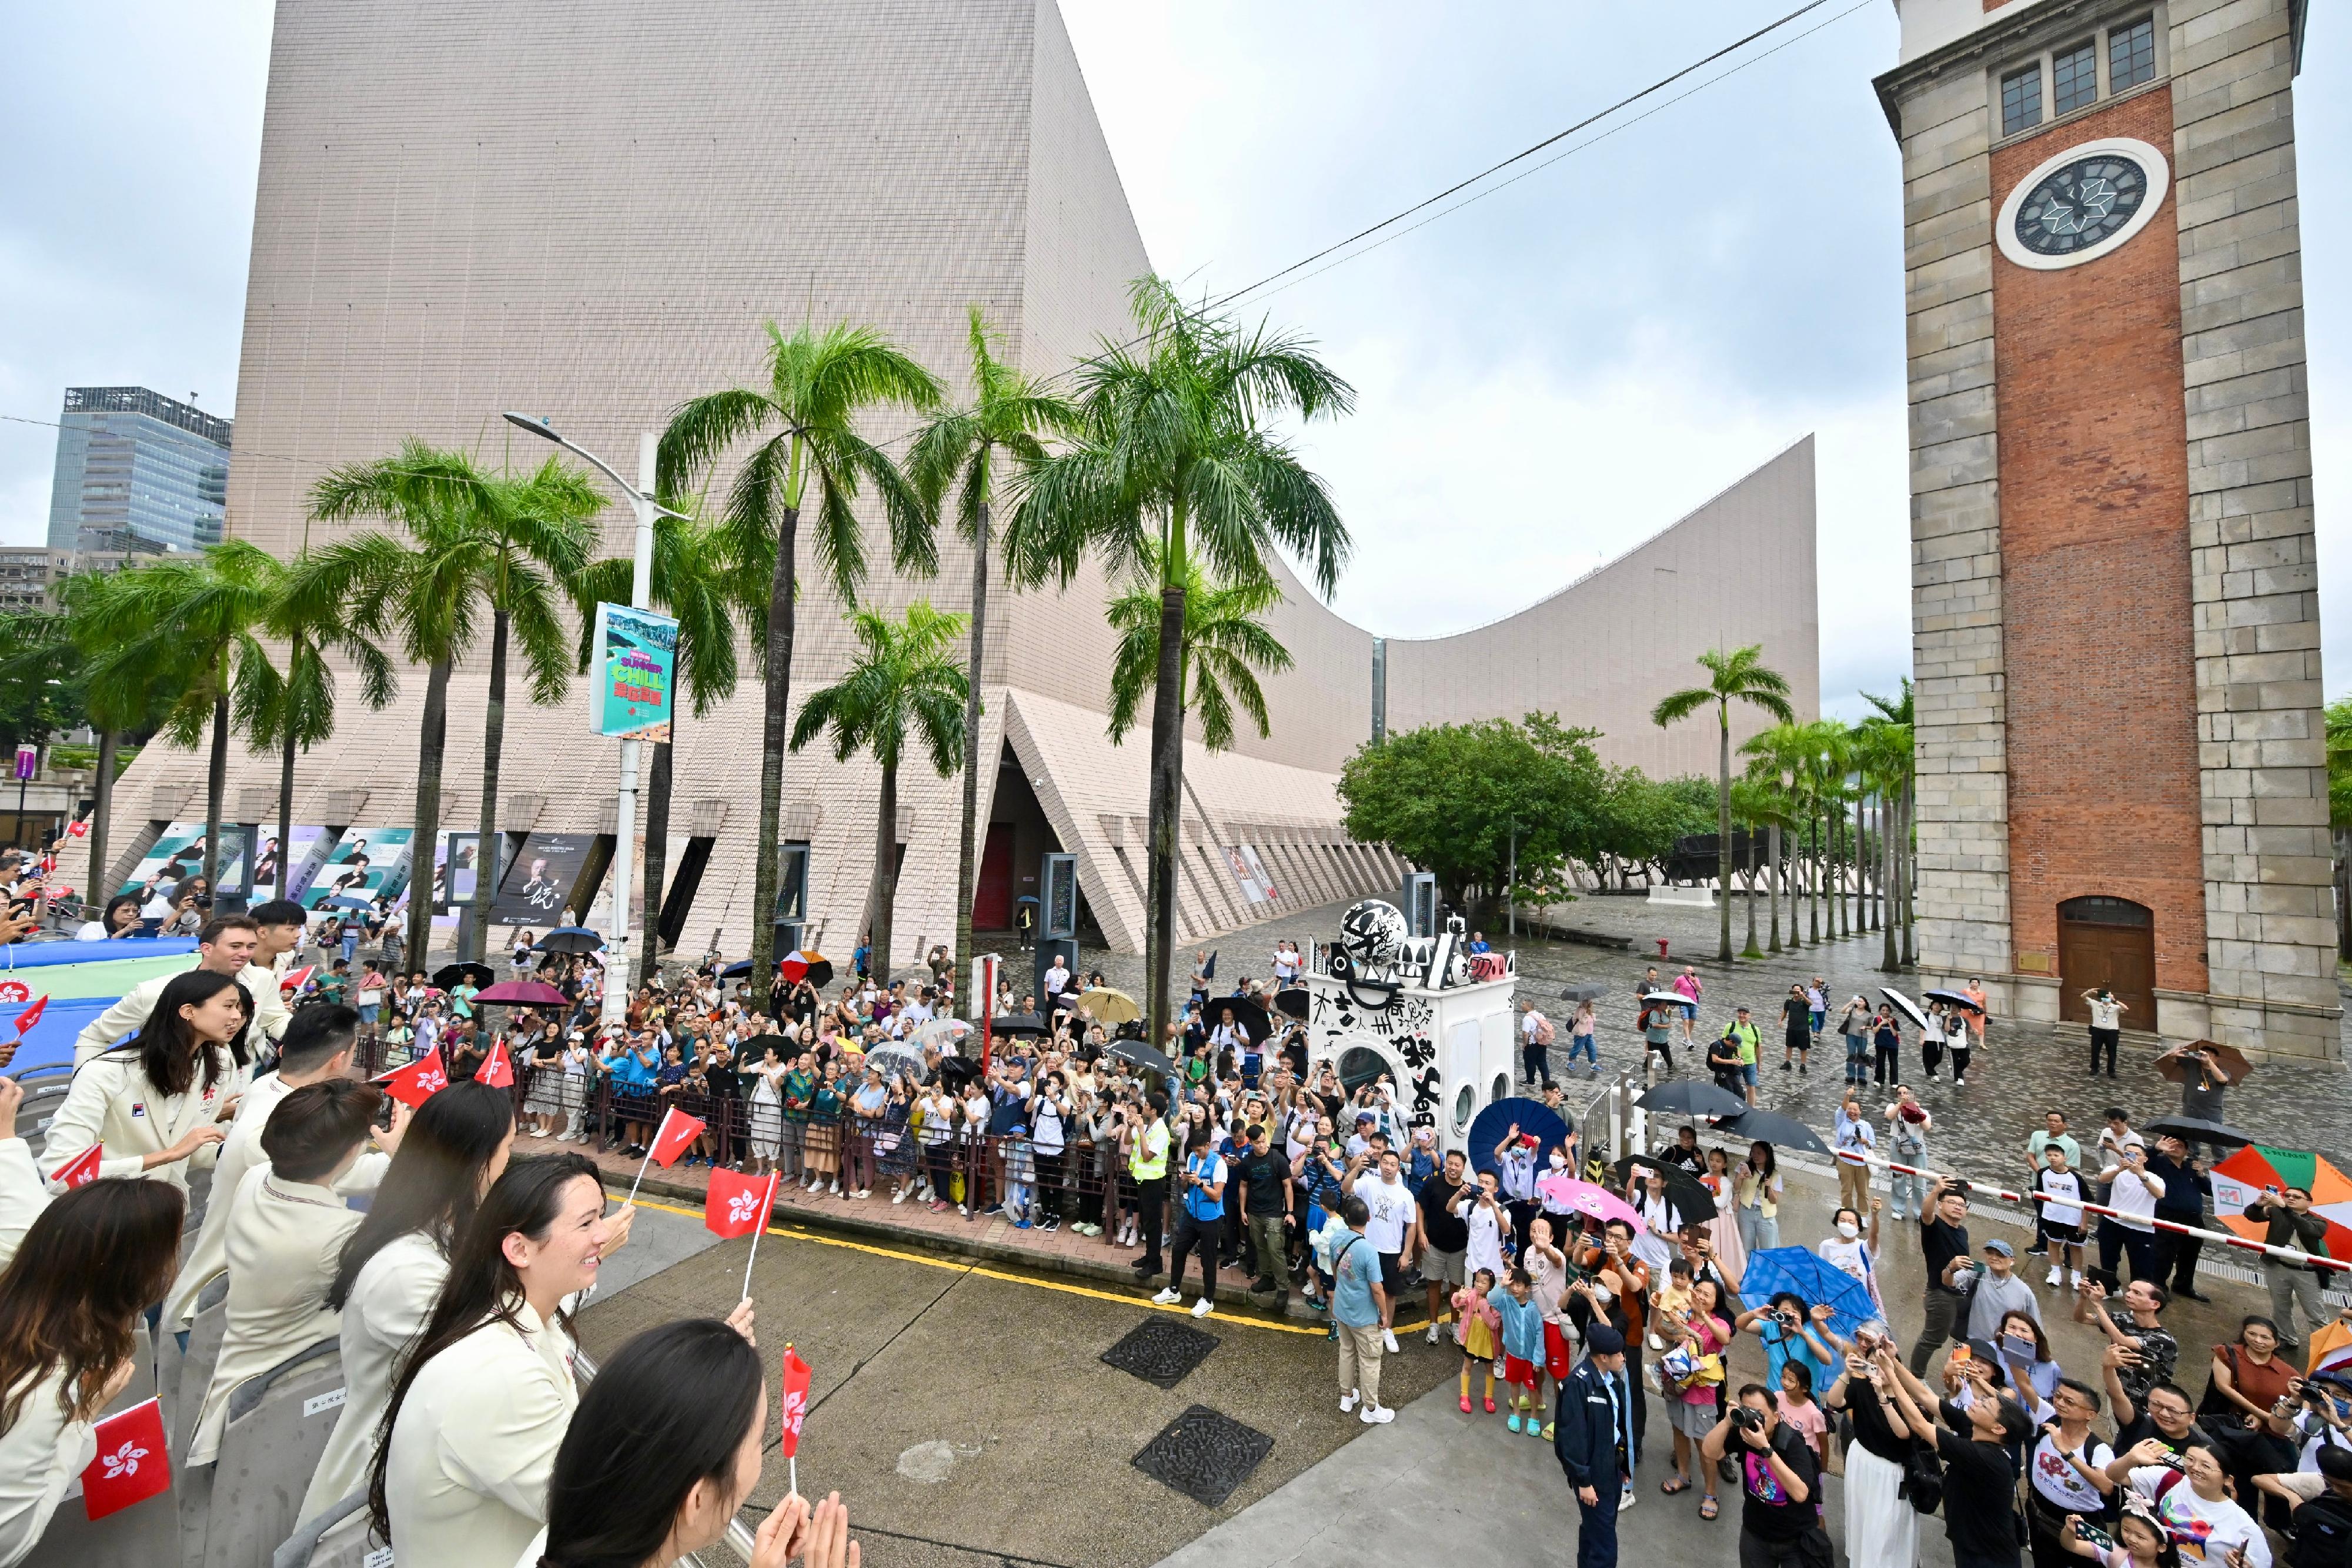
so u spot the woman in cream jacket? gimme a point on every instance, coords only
(71, 1305)
(161, 1098)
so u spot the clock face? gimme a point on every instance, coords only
(2077, 206)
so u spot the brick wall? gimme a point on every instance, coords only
(2103, 786)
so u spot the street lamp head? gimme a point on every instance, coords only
(538, 427)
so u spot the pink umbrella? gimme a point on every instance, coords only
(1586, 1199)
(520, 993)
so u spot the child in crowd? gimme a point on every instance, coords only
(1675, 1300)
(1020, 1178)
(1488, 1224)
(1689, 1373)
(1476, 1321)
(1798, 1409)
(1523, 1352)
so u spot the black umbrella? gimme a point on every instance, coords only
(1688, 1097)
(1291, 1001)
(1249, 1017)
(1684, 1190)
(1955, 999)
(2192, 1130)
(1139, 1054)
(447, 976)
(755, 1047)
(1019, 1023)
(1771, 1127)
(1905, 1006)
(571, 939)
(1591, 991)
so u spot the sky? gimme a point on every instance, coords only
(1544, 377)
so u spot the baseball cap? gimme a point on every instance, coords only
(2004, 1248)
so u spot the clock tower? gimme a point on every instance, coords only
(2115, 597)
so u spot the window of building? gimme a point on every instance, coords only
(2074, 78)
(2021, 99)
(2131, 53)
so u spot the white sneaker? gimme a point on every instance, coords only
(1167, 1297)
(866, 1192)
(1347, 1402)
(2053, 1277)
(1204, 1307)
(1388, 1341)
(1376, 1416)
(1433, 1333)
(834, 1186)
(898, 1196)
(1624, 1500)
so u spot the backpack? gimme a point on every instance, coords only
(1543, 1029)
(2323, 1532)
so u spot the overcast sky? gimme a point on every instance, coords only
(1546, 377)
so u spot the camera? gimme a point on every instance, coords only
(1747, 1419)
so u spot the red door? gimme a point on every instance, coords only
(991, 893)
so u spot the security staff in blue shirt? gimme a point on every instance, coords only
(1588, 1434)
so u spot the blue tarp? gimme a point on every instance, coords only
(39, 954)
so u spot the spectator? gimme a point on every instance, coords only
(2288, 1221)
(1477, 1326)
(1744, 1032)
(1200, 1214)
(1974, 1440)
(1690, 1379)
(1689, 986)
(1392, 1228)
(1999, 1291)
(1656, 1024)
(2321, 1499)
(1854, 1143)
(1944, 1244)
(1853, 1028)
(2152, 1350)
(1584, 1037)
(1265, 1205)
(1757, 1186)
(2131, 1231)
(1521, 1330)
(2060, 1188)
(1793, 1331)
(1444, 1239)
(2185, 1190)
(1881, 1525)
(2249, 1376)
(2066, 1473)
(1779, 1517)
(1908, 1126)
(1147, 1166)
(1724, 1055)
(2162, 1416)
(2052, 1131)
(2106, 1026)
(1886, 1050)
(1358, 1304)
(1591, 1432)
(2195, 1508)
(1855, 1253)
(1797, 1029)
(1536, 1036)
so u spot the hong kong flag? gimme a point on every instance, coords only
(794, 1401)
(675, 1136)
(497, 1069)
(31, 1016)
(81, 1170)
(298, 978)
(131, 1465)
(738, 1205)
(418, 1082)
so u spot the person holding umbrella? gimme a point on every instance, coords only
(1656, 1025)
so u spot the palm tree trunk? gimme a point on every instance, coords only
(286, 752)
(1723, 836)
(882, 888)
(216, 785)
(432, 742)
(1909, 864)
(1752, 951)
(658, 788)
(1814, 902)
(1167, 795)
(1841, 918)
(100, 816)
(1888, 909)
(775, 729)
(1772, 879)
(475, 932)
(968, 852)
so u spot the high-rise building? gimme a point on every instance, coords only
(2115, 615)
(137, 471)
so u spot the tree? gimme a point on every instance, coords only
(1758, 800)
(471, 544)
(123, 694)
(819, 382)
(1737, 676)
(1173, 459)
(906, 685)
(697, 581)
(964, 449)
(1883, 759)
(1900, 710)
(1222, 648)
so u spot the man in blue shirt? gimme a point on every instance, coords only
(1359, 1303)
(1588, 1435)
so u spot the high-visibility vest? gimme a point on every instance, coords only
(1141, 1163)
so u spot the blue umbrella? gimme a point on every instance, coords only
(1535, 1118)
(1818, 1280)
(345, 900)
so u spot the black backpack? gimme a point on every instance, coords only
(2323, 1532)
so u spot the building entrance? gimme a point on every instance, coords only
(2107, 942)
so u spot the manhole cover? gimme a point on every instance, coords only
(1204, 1455)
(1161, 1350)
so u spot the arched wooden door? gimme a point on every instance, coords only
(2107, 942)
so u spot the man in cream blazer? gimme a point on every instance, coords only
(238, 946)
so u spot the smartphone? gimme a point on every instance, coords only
(2091, 1535)
(1959, 1356)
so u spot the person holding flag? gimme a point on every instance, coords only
(72, 1302)
(158, 1103)
(24, 1193)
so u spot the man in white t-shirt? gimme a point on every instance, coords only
(1535, 1042)
(2132, 1192)
(1058, 976)
(1393, 1228)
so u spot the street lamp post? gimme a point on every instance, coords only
(617, 967)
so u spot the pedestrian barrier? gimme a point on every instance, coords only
(279, 1423)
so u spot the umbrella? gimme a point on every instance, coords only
(1291, 1002)
(752, 1049)
(1815, 1279)
(1686, 1097)
(448, 974)
(1583, 1198)
(1249, 1017)
(1140, 1055)
(893, 1059)
(942, 1032)
(345, 900)
(1591, 991)
(2239, 1180)
(1533, 1117)
(807, 964)
(1684, 1191)
(1110, 1006)
(571, 939)
(520, 993)
(1671, 999)
(2174, 1064)
(1018, 1023)
(2194, 1130)
(1957, 999)
(1771, 1127)
(1905, 1006)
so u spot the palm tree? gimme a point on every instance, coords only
(1883, 756)
(906, 686)
(122, 694)
(699, 582)
(1765, 805)
(471, 543)
(1901, 712)
(962, 448)
(1223, 647)
(1737, 676)
(819, 381)
(1173, 462)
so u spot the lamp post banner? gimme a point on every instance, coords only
(636, 663)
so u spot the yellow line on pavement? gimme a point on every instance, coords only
(987, 1273)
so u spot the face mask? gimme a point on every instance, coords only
(1557, 1161)
(1848, 1228)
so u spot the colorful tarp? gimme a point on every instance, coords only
(81, 980)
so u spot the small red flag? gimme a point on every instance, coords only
(78, 827)
(82, 1169)
(675, 1136)
(31, 1016)
(497, 1069)
(295, 981)
(418, 1082)
(133, 1464)
(738, 1205)
(794, 1401)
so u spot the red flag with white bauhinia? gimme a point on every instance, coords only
(793, 1400)
(497, 1069)
(82, 1169)
(418, 1082)
(296, 979)
(133, 1464)
(675, 1136)
(14, 991)
(738, 1205)
(31, 1016)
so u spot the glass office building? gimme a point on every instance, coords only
(137, 471)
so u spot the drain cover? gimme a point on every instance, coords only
(1203, 1455)
(1161, 1350)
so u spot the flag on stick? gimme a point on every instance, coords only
(31, 1016)
(133, 1464)
(794, 1411)
(738, 1205)
(418, 1082)
(497, 1068)
(82, 1169)
(672, 1138)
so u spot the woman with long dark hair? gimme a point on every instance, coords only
(665, 1446)
(71, 1303)
(469, 1436)
(159, 1100)
(392, 1268)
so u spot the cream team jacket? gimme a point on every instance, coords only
(124, 1019)
(390, 1300)
(285, 1238)
(40, 1456)
(239, 1153)
(466, 1477)
(23, 1194)
(112, 1103)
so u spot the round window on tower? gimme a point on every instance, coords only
(1464, 1104)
